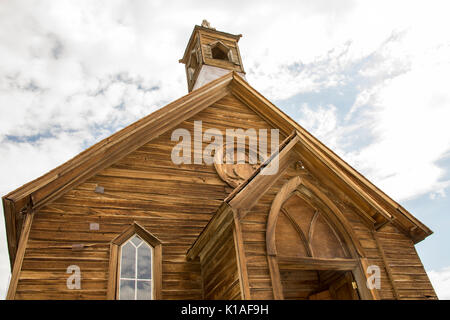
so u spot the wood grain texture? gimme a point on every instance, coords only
(368, 201)
(177, 202)
(173, 202)
(220, 270)
(15, 276)
(405, 270)
(254, 234)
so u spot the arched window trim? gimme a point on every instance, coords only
(290, 188)
(330, 220)
(358, 264)
(114, 259)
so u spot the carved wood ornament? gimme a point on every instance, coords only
(231, 170)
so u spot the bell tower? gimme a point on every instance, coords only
(210, 54)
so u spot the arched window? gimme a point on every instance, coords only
(135, 275)
(312, 251)
(135, 265)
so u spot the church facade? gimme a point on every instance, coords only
(144, 215)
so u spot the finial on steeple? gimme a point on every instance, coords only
(206, 24)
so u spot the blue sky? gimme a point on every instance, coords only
(369, 79)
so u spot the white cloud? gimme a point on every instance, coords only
(441, 282)
(409, 114)
(323, 122)
(72, 72)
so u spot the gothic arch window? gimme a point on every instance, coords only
(308, 236)
(135, 265)
(135, 270)
(307, 227)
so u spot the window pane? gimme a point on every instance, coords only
(136, 240)
(144, 262)
(127, 289)
(128, 264)
(144, 290)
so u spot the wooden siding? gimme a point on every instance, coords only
(408, 273)
(173, 202)
(406, 270)
(220, 270)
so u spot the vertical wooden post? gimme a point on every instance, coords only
(387, 266)
(241, 261)
(26, 227)
(112, 276)
(277, 287)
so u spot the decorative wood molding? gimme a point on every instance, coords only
(233, 173)
(285, 192)
(258, 184)
(113, 276)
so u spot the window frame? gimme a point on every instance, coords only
(136, 279)
(115, 258)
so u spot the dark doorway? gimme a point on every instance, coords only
(318, 285)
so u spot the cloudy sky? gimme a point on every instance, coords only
(371, 80)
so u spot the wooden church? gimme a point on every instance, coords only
(121, 220)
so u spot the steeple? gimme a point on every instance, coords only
(210, 54)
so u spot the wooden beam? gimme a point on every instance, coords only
(293, 263)
(386, 265)
(241, 259)
(11, 233)
(26, 227)
(251, 193)
(213, 230)
(112, 274)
